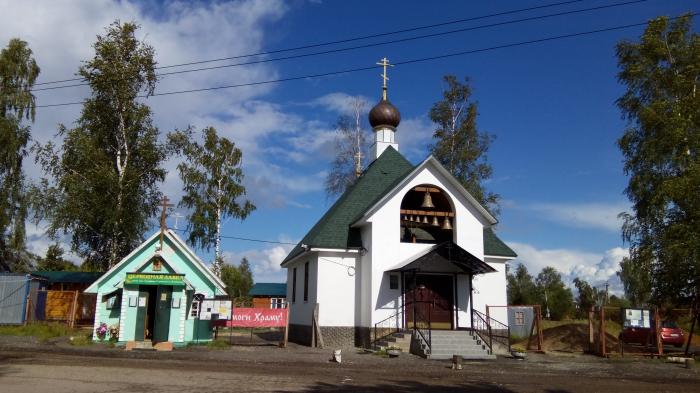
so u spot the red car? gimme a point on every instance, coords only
(671, 334)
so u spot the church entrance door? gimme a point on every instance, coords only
(429, 300)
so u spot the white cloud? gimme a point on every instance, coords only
(413, 136)
(583, 215)
(341, 103)
(265, 263)
(595, 268)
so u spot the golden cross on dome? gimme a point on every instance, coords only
(384, 63)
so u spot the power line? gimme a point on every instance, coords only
(405, 62)
(244, 238)
(342, 41)
(364, 46)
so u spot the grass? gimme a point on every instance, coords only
(218, 344)
(41, 331)
(81, 341)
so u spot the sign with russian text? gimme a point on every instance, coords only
(258, 317)
(154, 279)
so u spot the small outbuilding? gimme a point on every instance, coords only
(18, 295)
(160, 293)
(269, 295)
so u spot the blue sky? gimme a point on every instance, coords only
(550, 105)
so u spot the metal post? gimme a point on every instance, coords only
(692, 330)
(414, 300)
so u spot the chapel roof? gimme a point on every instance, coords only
(334, 229)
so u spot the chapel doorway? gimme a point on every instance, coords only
(153, 313)
(429, 299)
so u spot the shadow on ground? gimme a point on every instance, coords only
(408, 386)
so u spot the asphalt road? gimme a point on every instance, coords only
(274, 370)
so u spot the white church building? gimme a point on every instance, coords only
(406, 247)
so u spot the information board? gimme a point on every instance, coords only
(637, 317)
(215, 310)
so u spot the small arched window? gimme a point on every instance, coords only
(427, 215)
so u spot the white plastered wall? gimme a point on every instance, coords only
(490, 289)
(336, 288)
(300, 311)
(387, 251)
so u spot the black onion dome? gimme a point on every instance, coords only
(384, 114)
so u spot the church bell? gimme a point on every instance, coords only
(427, 200)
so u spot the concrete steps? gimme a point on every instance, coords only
(446, 343)
(399, 340)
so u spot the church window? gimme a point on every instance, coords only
(294, 285)
(393, 281)
(306, 282)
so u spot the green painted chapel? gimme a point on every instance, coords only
(156, 295)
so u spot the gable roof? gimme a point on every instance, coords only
(432, 161)
(333, 229)
(384, 175)
(180, 244)
(68, 277)
(268, 289)
(495, 246)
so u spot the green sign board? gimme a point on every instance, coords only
(154, 279)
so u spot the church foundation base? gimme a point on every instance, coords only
(333, 336)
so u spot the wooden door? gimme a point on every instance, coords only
(430, 297)
(162, 317)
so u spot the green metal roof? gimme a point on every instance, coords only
(268, 289)
(333, 229)
(495, 246)
(69, 277)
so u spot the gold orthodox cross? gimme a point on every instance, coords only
(384, 63)
(163, 216)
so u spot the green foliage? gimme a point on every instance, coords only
(350, 140)
(521, 287)
(555, 297)
(587, 297)
(636, 279)
(660, 147)
(212, 178)
(81, 341)
(105, 176)
(53, 261)
(18, 72)
(458, 144)
(238, 279)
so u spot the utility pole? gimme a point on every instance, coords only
(605, 301)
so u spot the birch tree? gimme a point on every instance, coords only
(661, 74)
(102, 183)
(18, 72)
(458, 144)
(212, 179)
(351, 145)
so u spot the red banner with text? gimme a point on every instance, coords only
(258, 317)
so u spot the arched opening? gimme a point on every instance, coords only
(427, 215)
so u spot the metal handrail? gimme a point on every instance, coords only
(416, 327)
(391, 329)
(489, 330)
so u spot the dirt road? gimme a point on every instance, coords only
(269, 369)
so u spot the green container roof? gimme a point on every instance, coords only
(69, 277)
(268, 289)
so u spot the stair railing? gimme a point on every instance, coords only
(388, 326)
(490, 330)
(422, 325)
